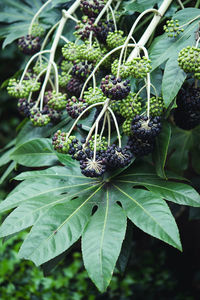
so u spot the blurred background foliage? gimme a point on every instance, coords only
(155, 270)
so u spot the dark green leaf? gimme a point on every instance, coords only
(35, 153)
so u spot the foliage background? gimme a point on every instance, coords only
(155, 270)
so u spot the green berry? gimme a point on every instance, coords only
(139, 67)
(66, 65)
(115, 39)
(189, 60)
(71, 51)
(124, 69)
(101, 144)
(56, 101)
(93, 96)
(126, 126)
(130, 106)
(172, 28)
(17, 89)
(40, 66)
(37, 30)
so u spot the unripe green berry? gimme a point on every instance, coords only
(130, 106)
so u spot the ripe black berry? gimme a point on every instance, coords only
(117, 157)
(75, 107)
(115, 88)
(146, 128)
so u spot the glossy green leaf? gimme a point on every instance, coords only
(139, 5)
(176, 192)
(7, 172)
(161, 148)
(149, 212)
(35, 153)
(172, 81)
(5, 157)
(101, 242)
(57, 229)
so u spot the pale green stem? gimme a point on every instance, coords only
(181, 4)
(116, 126)
(131, 33)
(117, 5)
(30, 61)
(64, 39)
(95, 141)
(150, 29)
(105, 107)
(37, 14)
(109, 127)
(148, 94)
(80, 116)
(48, 35)
(103, 126)
(190, 21)
(113, 17)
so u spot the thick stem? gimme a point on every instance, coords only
(148, 94)
(156, 19)
(181, 4)
(109, 127)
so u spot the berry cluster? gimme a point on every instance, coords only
(187, 113)
(156, 106)
(172, 28)
(115, 39)
(61, 143)
(75, 107)
(189, 60)
(115, 88)
(55, 100)
(29, 44)
(92, 8)
(130, 106)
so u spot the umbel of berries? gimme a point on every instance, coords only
(61, 142)
(115, 88)
(29, 44)
(24, 106)
(56, 100)
(39, 118)
(102, 30)
(189, 60)
(92, 8)
(156, 106)
(74, 86)
(81, 70)
(146, 128)
(117, 157)
(84, 28)
(140, 147)
(172, 28)
(138, 67)
(92, 168)
(76, 106)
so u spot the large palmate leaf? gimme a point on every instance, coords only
(58, 203)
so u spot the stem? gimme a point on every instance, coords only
(113, 17)
(116, 126)
(37, 14)
(109, 127)
(181, 4)
(80, 116)
(148, 94)
(48, 35)
(102, 12)
(64, 39)
(30, 61)
(117, 5)
(131, 33)
(95, 141)
(105, 107)
(190, 21)
(156, 19)
(103, 127)
(65, 15)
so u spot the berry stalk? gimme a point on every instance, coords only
(152, 26)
